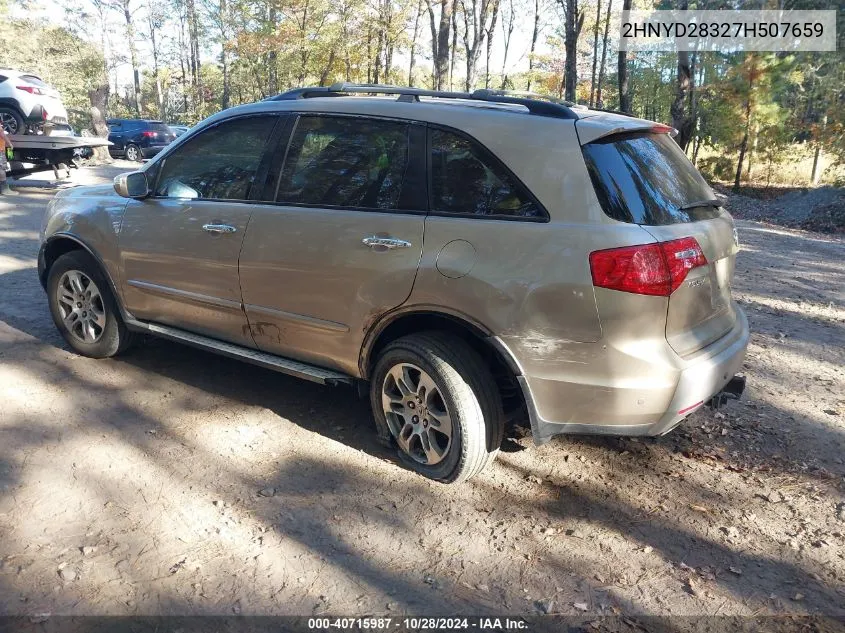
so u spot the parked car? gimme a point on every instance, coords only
(179, 130)
(575, 271)
(137, 139)
(27, 104)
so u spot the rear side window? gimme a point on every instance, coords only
(345, 162)
(467, 180)
(645, 178)
(219, 163)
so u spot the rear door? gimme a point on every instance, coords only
(644, 178)
(342, 244)
(117, 136)
(179, 247)
(160, 134)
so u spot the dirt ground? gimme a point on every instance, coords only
(171, 481)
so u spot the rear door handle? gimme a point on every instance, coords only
(375, 241)
(219, 228)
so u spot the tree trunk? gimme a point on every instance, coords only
(133, 57)
(574, 22)
(817, 171)
(622, 72)
(414, 44)
(743, 147)
(155, 24)
(681, 120)
(272, 57)
(534, 35)
(693, 100)
(98, 98)
(440, 42)
(453, 51)
(595, 53)
(475, 31)
(599, 98)
(490, 32)
(324, 76)
(507, 32)
(184, 77)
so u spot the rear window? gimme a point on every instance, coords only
(160, 127)
(35, 81)
(645, 178)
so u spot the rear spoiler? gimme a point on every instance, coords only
(593, 128)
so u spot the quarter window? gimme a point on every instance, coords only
(466, 180)
(219, 163)
(345, 162)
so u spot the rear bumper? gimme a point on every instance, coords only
(642, 403)
(39, 114)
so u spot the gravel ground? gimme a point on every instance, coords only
(821, 209)
(171, 481)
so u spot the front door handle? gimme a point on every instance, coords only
(375, 241)
(219, 228)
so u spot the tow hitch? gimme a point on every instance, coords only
(733, 390)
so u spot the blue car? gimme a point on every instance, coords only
(137, 139)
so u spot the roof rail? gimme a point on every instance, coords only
(535, 103)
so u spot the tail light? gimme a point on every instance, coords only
(648, 269)
(148, 134)
(31, 90)
(44, 114)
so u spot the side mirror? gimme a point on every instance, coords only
(132, 185)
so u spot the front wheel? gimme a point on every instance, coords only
(83, 307)
(440, 405)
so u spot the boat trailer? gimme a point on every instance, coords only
(37, 152)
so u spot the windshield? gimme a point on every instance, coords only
(645, 178)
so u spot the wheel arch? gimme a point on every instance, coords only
(8, 102)
(496, 355)
(62, 243)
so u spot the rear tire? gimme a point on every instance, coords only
(460, 424)
(83, 307)
(133, 153)
(12, 120)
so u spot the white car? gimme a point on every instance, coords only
(27, 104)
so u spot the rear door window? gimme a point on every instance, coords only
(346, 162)
(467, 180)
(645, 178)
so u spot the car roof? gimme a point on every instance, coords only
(12, 71)
(481, 117)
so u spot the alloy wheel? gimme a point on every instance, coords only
(132, 153)
(81, 306)
(9, 122)
(416, 414)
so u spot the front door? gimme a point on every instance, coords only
(179, 247)
(342, 244)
